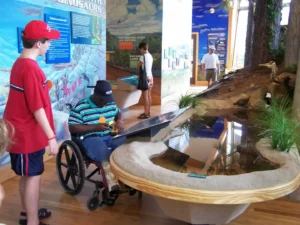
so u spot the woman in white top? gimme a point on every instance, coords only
(146, 93)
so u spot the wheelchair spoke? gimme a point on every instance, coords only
(73, 178)
(73, 160)
(67, 156)
(68, 176)
(64, 165)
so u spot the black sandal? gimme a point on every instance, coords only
(144, 116)
(43, 214)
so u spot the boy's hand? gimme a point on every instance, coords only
(53, 147)
(101, 127)
(120, 127)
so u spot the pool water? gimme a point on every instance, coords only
(132, 80)
(215, 145)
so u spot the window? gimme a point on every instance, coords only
(285, 12)
(240, 39)
(244, 3)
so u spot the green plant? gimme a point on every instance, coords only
(187, 100)
(278, 126)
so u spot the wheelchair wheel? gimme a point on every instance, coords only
(70, 167)
(93, 203)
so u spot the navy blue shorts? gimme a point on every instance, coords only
(28, 165)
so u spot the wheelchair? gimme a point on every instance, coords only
(71, 165)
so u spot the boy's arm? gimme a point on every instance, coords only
(42, 120)
(85, 129)
(76, 125)
(37, 101)
(119, 122)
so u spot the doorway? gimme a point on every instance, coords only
(194, 62)
(196, 72)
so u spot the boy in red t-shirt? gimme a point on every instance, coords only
(28, 109)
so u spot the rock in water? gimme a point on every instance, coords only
(242, 102)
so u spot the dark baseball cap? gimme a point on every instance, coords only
(103, 88)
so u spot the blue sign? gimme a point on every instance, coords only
(210, 20)
(60, 50)
(20, 43)
(86, 29)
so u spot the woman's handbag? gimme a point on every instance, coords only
(143, 79)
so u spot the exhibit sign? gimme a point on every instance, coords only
(60, 50)
(218, 40)
(20, 44)
(86, 29)
(134, 60)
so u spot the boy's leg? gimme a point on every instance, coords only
(22, 186)
(112, 181)
(117, 142)
(29, 167)
(97, 149)
(31, 199)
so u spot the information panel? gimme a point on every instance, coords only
(219, 41)
(20, 44)
(86, 29)
(60, 50)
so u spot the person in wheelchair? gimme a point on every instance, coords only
(89, 120)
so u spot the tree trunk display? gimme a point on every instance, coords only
(293, 35)
(263, 41)
(296, 103)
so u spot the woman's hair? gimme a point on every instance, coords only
(6, 133)
(143, 45)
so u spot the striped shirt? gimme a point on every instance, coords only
(86, 112)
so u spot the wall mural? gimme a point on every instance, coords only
(210, 20)
(129, 23)
(87, 61)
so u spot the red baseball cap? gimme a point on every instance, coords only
(37, 29)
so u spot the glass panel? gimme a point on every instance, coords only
(211, 145)
(153, 122)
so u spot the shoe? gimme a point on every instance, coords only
(144, 116)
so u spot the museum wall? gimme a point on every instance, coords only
(76, 60)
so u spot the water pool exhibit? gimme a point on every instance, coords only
(207, 169)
